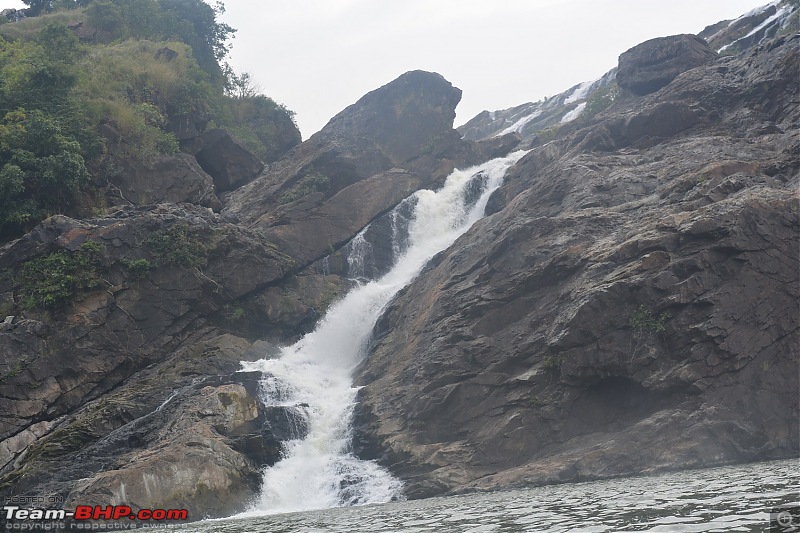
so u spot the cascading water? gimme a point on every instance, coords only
(315, 374)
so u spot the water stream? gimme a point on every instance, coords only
(314, 375)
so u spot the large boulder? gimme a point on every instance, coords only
(649, 66)
(171, 178)
(402, 117)
(227, 160)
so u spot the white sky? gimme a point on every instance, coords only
(319, 56)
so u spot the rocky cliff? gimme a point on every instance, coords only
(630, 306)
(122, 335)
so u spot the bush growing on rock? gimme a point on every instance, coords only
(645, 324)
(177, 245)
(52, 280)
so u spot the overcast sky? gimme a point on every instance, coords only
(319, 56)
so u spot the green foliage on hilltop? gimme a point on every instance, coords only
(127, 86)
(193, 22)
(133, 69)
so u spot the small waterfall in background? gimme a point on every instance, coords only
(314, 375)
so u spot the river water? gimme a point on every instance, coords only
(724, 499)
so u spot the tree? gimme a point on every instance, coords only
(35, 7)
(41, 169)
(240, 87)
(195, 22)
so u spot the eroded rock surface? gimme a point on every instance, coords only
(630, 306)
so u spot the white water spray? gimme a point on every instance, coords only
(315, 374)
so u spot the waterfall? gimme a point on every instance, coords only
(315, 374)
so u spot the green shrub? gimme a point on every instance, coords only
(137, 268)
(537, 402)
(645, 324)
(52, 280)
(548, 134)
(14, 372)
(41, 169)
(234, 313)
(177, 245)
(643, 321)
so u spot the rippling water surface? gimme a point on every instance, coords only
(736, 498)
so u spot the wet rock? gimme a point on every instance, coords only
(176, 435)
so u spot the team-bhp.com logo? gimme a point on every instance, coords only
(86, 516)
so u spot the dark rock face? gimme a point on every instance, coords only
(649, 66)
(173, 435)
(59, 364)
(404, 116)
(369, 157)
(176, 178)
(630, 307)
(226, 160)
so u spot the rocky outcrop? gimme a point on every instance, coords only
(176, 435)
(160, 283)
(630, 307)
(531, 119)
(176, 178)
(733, 36)
(370, 156)
(649, 66)
(225, 159)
